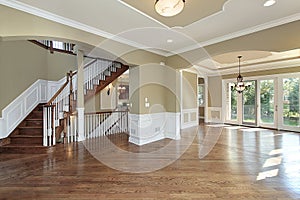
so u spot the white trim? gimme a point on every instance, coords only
(240, 33)
(80, 125)
(72, 23)
(187, 120)
(294, 62)
(147, 128)
(19, 108)
(142, 13)
(215, 119)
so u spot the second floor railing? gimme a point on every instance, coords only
(105, 123)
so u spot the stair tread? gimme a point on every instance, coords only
(30, 127)
(26, 136)
(34, 119)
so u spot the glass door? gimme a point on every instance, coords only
(290, 104)
(232, 103)
(249, 104)
(268, 106)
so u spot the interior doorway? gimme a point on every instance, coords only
(201, 99)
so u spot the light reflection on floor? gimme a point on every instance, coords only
(276, 154)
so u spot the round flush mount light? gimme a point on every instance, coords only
(169, 8)
(269, 3)
(169, 41)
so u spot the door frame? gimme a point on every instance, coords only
(273, 125)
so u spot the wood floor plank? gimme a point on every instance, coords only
(243, 164)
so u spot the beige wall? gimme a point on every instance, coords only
(189, 90)
(26, 26)
(214, 91)
(102, 101)
(109, 101)
(178, 62)
(58, 64)
(92, 104)
(159, 84)
(22, 63)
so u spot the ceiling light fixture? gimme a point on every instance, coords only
(269, 3)
(240, 86)
(169, 8)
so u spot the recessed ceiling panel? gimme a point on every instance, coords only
(229, 58)
(193, 11)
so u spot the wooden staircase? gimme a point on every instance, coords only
(109, 78)
(28, 136)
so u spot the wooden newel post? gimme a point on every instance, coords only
(65, 127)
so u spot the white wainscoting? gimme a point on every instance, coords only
(214, 115)
(147, 128)
(189, 118)
(13, 114)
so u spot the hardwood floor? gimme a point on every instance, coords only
(236, 163)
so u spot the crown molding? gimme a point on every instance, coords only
(236, 34)
(74, 24)
(262, 66)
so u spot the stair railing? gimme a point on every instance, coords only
(105, 123)
(96, 71)
(60, 108)
(54, 109)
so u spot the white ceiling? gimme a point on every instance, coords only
(111, 18)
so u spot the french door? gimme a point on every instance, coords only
(249, 104)
(289, 103)
(268, 108)
(270, 102)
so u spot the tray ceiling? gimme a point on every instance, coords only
(193, 11)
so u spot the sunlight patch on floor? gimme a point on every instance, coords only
(234, 127)
(267, 174)
(272, 162)
(275, 152)
(252, 129)
(217, 125)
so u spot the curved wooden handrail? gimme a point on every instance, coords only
(69, 77)
(57, 93)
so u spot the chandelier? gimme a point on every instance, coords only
(240, 85)
(169, 8)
